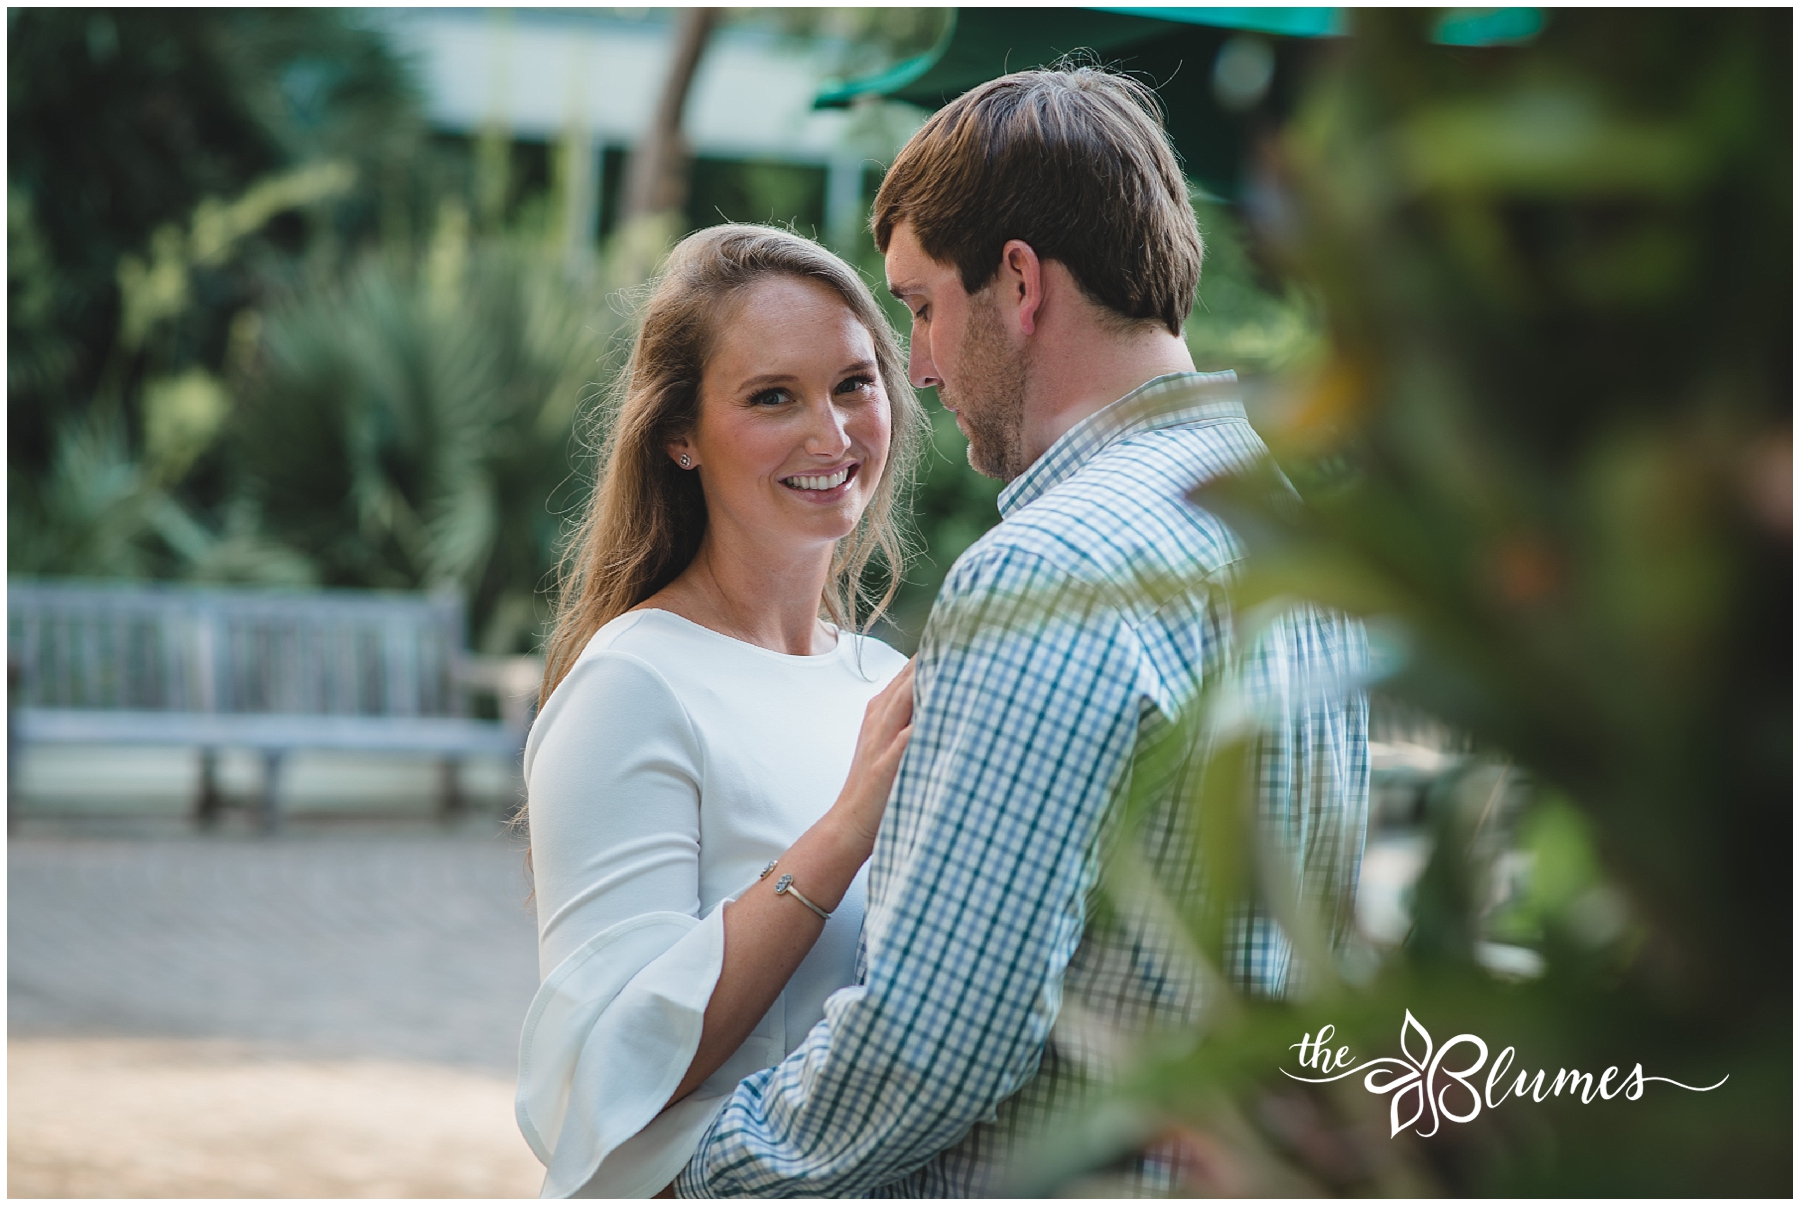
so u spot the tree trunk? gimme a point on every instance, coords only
(657, 176)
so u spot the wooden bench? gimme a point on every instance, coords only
(272, 671)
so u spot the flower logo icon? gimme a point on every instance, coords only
(1414, 1080)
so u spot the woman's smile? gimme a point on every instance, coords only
(823, 487)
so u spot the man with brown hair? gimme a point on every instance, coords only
(1055, 193)
(1039, 230)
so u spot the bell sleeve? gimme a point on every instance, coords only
(628, 959)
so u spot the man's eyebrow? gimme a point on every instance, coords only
(902, 289)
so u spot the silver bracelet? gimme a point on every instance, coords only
(785, 887)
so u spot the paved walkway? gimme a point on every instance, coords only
(333, 1013)
(409, 946)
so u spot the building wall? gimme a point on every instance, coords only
(542, 76)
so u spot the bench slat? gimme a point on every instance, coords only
(447, 735)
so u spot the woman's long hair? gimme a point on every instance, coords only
(645, 519)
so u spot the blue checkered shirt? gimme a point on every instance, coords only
(994, 993)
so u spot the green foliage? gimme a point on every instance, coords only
(232, 360)
(162, 290)
(952, 505)
(725, 190)
(1245, 319)
(169, 172)
(122, 122)
(1548, 453)
(409, 427)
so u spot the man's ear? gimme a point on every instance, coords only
(1021, 281)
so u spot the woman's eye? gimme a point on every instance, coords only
(769, 397)
(860, 382)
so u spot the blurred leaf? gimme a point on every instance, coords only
(182, 415)
(1550, 140)
(1555, 285)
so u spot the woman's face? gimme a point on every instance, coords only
(794, 423)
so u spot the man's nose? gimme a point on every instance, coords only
(919, 367)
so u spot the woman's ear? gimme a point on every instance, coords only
(682, 453)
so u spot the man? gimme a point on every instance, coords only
(1039, 230)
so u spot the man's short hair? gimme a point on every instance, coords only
(1076, 163)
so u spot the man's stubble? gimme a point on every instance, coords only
(990, 394)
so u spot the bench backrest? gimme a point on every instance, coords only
(215, 649)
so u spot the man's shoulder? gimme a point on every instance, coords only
(1126, 510)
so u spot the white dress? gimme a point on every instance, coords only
(663, 773)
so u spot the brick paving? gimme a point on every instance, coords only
(411, 946)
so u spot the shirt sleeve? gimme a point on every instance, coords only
(628, 961)
(1027, 710)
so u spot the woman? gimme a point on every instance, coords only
(701, 799)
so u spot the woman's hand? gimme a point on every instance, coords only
(767, 936)
(886, 728)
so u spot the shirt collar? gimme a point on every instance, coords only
(1167, 401)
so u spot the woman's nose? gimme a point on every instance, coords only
(826, 435)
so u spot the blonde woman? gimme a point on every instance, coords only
(715, 743)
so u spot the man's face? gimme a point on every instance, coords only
(961, 346)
